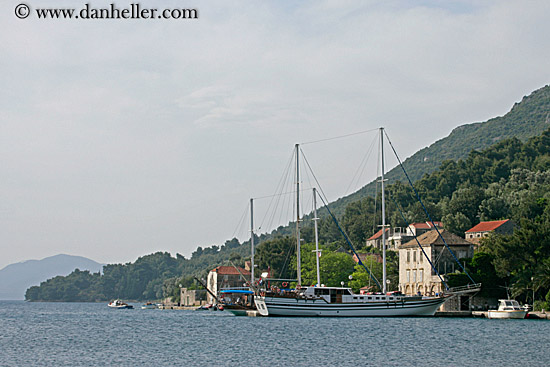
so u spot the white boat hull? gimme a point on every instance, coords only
(121, 307)
(285, 306)
(506, 314)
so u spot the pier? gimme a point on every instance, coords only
(530, 315)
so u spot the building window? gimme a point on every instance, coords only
(414, 256)
(408, 276)
(421, 256)
(408, 256)
(421, 275)
(414, 276)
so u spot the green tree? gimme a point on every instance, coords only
(457, 223)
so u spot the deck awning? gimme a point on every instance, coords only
(241, 291)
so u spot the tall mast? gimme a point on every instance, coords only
(298, 257)
(383, 213)
(252, 241)
(315, 219)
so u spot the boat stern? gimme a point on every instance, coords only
(261, 306)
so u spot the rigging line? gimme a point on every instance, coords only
(359, 261)
(287, 259)
(282, 194)
(276, 195)
(285, 198)
(339, 137)
(418, 242)
(279, 186)
(375, 219)
(357, 176)
(313, 174)
(309, 198)
(440, 255)
(285, 205)
(424, 207)
(276, 206)
(371, 265)
(241, 221)
(271, 219)
(338, 224)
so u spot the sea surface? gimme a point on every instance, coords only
(91, 334)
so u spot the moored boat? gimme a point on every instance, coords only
(317, 300)
(238, 301)
(507, 309)
(118, 304)
(342, 302)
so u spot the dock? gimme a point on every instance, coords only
(453, 314)
(530, 315)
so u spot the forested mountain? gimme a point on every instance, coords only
(509, 179)
(526, 119)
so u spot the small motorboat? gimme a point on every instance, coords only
(210, 307)
(118, 304)
(238, 301)
(507, 309)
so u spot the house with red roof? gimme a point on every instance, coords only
(376, 239)
(226, 277)
(417, 229)
(483, 229)
(397, 236)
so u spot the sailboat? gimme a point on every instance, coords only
(323, 301)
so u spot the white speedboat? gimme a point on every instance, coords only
(118, 304)
(507, 309)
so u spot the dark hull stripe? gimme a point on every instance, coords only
(344, 306)
(301, 308)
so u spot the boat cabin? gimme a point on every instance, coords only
(243, 297)
(345, 295)
(509, 305)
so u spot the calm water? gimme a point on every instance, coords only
(83, 334)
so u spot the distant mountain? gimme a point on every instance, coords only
(16, 278)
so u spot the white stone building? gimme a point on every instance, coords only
(415, 272)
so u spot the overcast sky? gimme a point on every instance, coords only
(119, 138)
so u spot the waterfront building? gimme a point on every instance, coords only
(192, 297)
(226, 277)
(416, 275)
